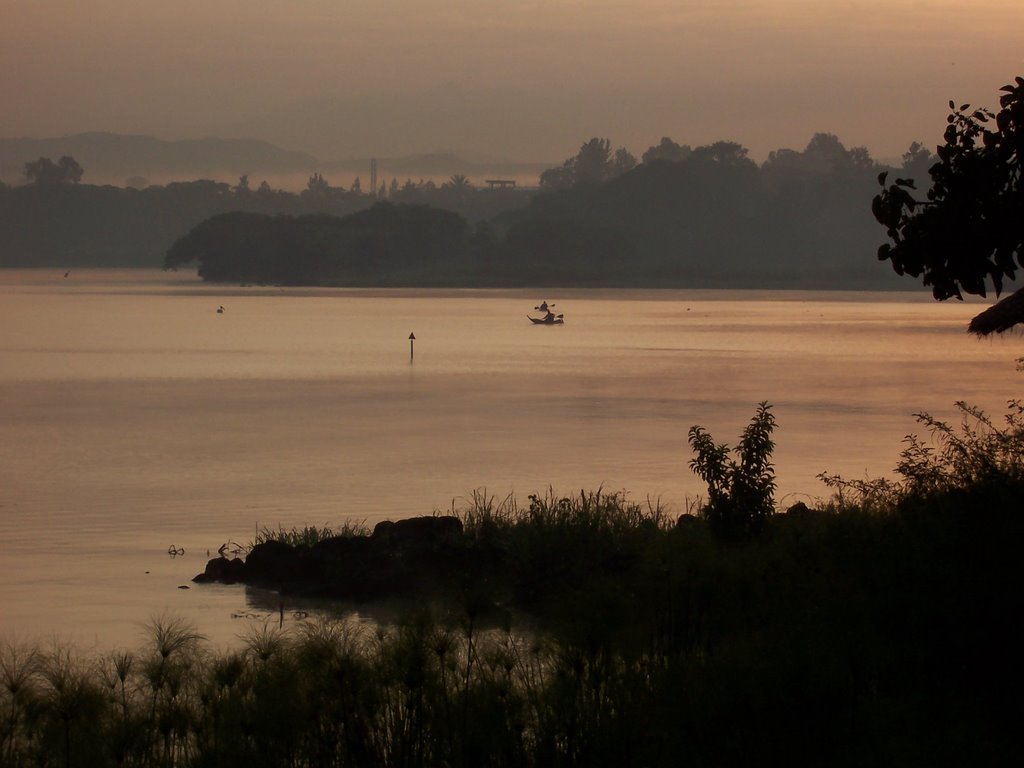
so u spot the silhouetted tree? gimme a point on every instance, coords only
(45, 171)
(623, 161)
(970, 228)
(783, 163)
(593, 161)
(242, 187)
(317, 185)
(917, 161)
(723, 152)
(458, 183)
(593, 164)
(667, 150)
(70, 168)
(824, 153)
(384, 244)
(860, 158)
(562, 177)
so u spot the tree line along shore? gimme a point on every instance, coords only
(705, 216)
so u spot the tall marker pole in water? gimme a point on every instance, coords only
(412, 342)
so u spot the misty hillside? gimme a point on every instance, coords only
(110, 158)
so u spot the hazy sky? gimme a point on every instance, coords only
(523, 79)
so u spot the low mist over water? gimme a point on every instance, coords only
(134, 415)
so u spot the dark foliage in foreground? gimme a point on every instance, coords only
(969, 230)
(879, 630)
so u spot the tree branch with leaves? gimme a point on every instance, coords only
(968, 232)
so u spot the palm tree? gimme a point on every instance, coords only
(458, 183)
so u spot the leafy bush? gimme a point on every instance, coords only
(980, 452)
(740, 491)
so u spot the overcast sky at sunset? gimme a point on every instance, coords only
(519, 79)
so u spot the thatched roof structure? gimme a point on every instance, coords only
(1001, 316)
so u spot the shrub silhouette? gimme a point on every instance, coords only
(740, 491)
(981, 452)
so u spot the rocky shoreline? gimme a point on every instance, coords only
(415, 557)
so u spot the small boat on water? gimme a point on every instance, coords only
(550, 318)
(553, 320)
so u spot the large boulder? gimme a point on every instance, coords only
(223, 570)
(419, 531)
(408, 558)
(274, 563)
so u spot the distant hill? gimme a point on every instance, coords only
(110, 158)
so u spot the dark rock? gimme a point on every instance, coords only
(799, 510)
(273, 563)
(688, 521)
(422, 531)
(415, 557)
(222, 569)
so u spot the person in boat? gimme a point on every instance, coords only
(549, 316)
(543, 307)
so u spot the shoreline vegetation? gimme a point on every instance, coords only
(878, 628)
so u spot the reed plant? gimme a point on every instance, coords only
(20, 665)
(597, 511)
(309, 535)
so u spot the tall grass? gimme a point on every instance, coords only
(308, 535)
(329, 693)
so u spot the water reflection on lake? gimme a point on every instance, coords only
(134, 416)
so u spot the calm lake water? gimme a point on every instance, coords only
(134, 417)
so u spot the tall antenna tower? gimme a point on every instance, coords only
(373, 177)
